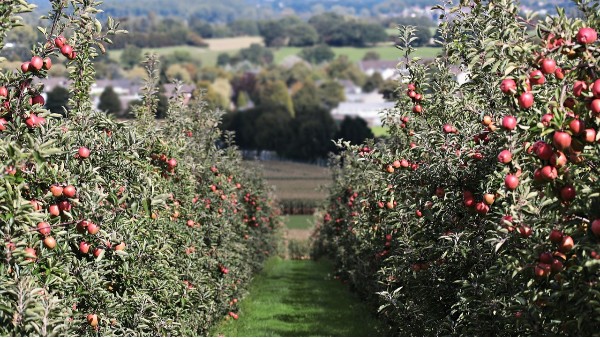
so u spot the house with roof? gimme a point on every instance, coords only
(127, 90)
(388, 69)
(361, 104)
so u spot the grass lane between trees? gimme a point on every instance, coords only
(300, 221)
(299, 298)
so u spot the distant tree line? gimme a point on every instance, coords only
(152, 32)
(327, 29)
(297, 125)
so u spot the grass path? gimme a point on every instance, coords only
(299, 298)
(303, 222)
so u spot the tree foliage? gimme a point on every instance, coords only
(317, 54)
(131, 56)
(118, 229)
(58, 100)
(109, 101)
(479, 215)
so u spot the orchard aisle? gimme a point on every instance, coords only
(299, 298)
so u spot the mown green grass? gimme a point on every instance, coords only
(208, 57)
(299, 298)
(300, 221)
(355, 54)
(379, 131)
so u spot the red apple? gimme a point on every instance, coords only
(508, 86)
(36, 63)
(546, 257)
(56, 190)
(561, 140)
(47, 63)
(49, 242)
(555, 236)
(511, 182)
(576, 126)
(3, 123)
(83, 152)
(537, 175)
(36, 205)
(31, 254)
(66, 50)
(586, 36)
(525, 231)
(556, 266)
(579, 87)
(506, 221)
(567, 193)
(482, 208)
(558, 159)
(590, 135)
(543, 150)
(559, 73)
(97, 252)
(38, 99)
(44, 228)
(93, 228)
(92, 319)
(526, 100)
(536, 77)
(64, 206)
(120, 246)
(417, 109)
(569, 103)
(548, 66)
(505, 156)
(69, 191)
(595, 106)
(84, 247)
(596, 88)
(509, 122)
(546, 118)
(448, 129)
(549, 173)
(596, 227)
(26, 66)
(34, 121)
(566, 244)
(60, 41)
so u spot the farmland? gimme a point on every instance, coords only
(295, 181)
(355, 54)
(208, 55)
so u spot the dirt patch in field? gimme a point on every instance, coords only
(298, 234)
(233, 43)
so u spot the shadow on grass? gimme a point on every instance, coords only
(299, 298)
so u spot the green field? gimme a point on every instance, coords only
(387, 52)
(300, 221)
(299, 298)
(208, 56)
(379, 131)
